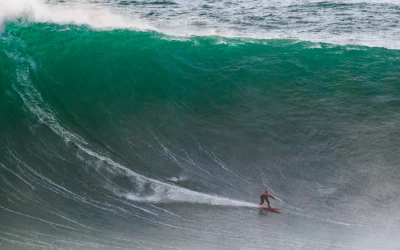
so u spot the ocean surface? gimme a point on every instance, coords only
(158, 124)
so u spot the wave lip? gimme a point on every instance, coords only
(191, 21)
(68, 13)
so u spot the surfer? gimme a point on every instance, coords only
(265, 196)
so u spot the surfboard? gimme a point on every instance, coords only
(272, 209)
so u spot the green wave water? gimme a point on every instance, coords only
(99, 127)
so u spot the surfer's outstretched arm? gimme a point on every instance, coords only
(272, 197)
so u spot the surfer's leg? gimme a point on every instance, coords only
(267, 202)
(261, 200)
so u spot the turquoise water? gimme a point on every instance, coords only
(112, 134)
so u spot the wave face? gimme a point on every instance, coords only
(112, 136)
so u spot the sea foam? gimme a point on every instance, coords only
(95, 16)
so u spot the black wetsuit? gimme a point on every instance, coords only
(264, 197)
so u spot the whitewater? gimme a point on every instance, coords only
(158, 124)
(368, 23)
